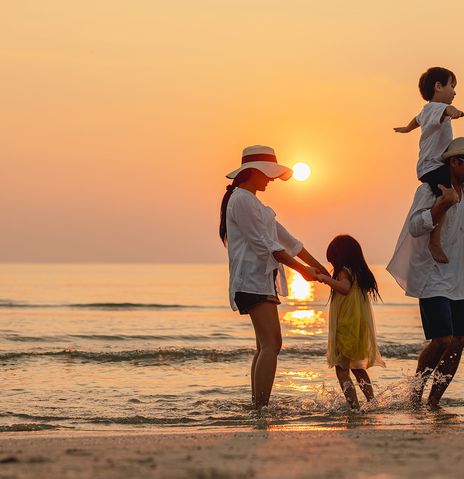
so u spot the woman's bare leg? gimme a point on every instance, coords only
(253, 368)
(347, 386)
(364, 382)
(266, 323)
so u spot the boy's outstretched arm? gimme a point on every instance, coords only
(452, 112)
(412, 125)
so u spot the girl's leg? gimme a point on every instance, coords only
(253, 368)
(364, 383)
(347, 386)
(266, 323)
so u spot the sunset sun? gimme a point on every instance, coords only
(301, 171)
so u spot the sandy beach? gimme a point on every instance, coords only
(355, 453)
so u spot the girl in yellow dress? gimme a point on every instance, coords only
(352, 344)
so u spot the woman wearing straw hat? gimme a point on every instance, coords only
(258, 247)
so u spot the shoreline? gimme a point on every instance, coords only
(357, 453)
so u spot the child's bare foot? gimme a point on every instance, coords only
(437, 253)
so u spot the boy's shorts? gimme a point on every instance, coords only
(442, 317)
(440, 176)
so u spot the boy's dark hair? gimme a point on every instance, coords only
(430, 77)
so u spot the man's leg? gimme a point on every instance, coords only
(437, 321)
(428, 361)
(446, 369)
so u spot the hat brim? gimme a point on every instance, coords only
(450, 153)
(271, 170)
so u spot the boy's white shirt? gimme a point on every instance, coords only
(436, 135)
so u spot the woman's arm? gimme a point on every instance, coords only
(341, 285)
(308, 259)
(308, 273)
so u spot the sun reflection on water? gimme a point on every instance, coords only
(305, 322)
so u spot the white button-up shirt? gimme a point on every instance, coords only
(253, 235)
(412, 264)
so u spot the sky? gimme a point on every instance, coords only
(120, 119)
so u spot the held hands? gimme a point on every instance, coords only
(309, 273)
(322, 277)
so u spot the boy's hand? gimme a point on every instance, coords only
(402, 129)
(453, 112)
(449, 194)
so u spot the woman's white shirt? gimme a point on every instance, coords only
(253, 235)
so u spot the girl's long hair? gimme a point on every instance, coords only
(345, 251)
(243, 176)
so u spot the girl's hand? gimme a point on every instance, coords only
(322, 278)
(309, 273)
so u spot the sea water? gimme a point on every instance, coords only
(156, 346)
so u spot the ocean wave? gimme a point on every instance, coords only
(172, 355)
(321, 305)
(5, 304)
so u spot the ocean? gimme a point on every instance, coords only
(156, 347)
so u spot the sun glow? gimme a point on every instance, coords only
(299, 288)
(301, 171)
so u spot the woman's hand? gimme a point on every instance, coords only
(309, 273)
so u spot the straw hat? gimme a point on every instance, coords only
(262, 158)
(456, 148)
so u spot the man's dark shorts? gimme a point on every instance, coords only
(442, 317)
(440, 176)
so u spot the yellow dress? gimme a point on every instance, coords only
(351, 341)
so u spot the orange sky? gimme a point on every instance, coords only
(120, 120)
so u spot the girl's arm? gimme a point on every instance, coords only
(341, 285)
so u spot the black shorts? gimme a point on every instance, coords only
(440, 176)
(442, 317)
(245, 301)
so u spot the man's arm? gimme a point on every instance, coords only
(412, 125)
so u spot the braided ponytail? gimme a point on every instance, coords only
(243, 176)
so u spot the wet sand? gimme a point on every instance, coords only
(352, 453)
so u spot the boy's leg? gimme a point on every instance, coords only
(347, 386)
(364, 383)
(438, 179)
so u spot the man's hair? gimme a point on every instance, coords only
(430, 77)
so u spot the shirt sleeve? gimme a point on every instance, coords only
(248, 217)
(431, 115)
(420, 219)
(291, 244)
